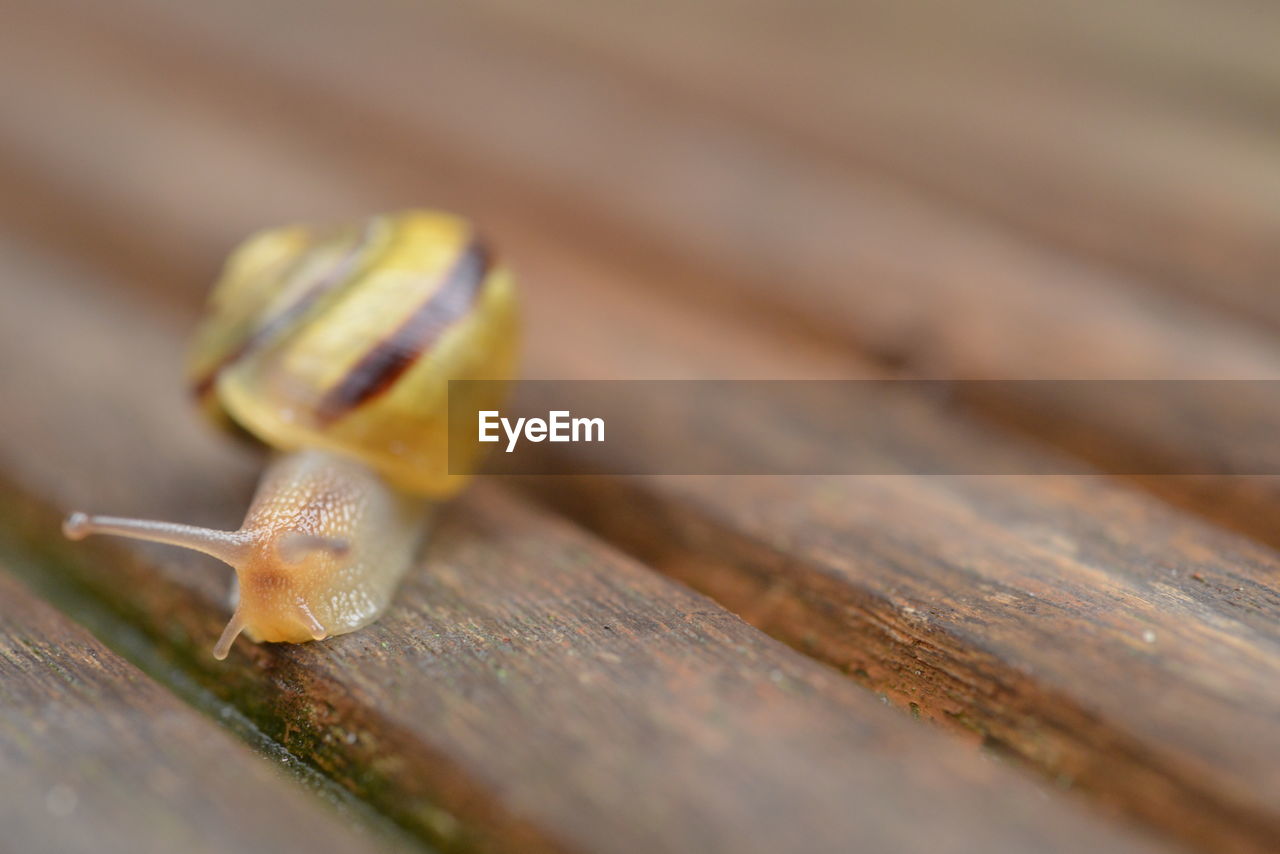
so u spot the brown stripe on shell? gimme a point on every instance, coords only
(388, 359)
(336, 275)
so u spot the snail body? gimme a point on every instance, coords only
(336, 348)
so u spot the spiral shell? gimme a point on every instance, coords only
(345, 339)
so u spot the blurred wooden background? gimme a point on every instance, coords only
(702, 189)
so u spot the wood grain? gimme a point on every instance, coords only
(1211, 60)
(531, 689)
(1187, 197)
(1192, 203)
(1022, 614)
(988, 660)
(96, 757)
(980, 302)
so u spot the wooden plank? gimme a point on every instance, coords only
(841, 568)
(1219, 60)
(1036, 612)
(1189, 202)
(1212, 62)
(1057, 316)
(920, 310)
(530, 689)
(96, 757)
(905, 305)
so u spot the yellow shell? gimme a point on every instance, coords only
(346, 339)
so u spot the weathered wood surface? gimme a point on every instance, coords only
(1190, 198)
(1111, 641)
(834, 559)
(977, 301)
(531, 689)
(96, 757)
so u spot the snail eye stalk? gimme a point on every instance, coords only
(230, 547)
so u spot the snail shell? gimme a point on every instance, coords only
(336, 347)
(347, 339)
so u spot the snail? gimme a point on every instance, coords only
(335, 347)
